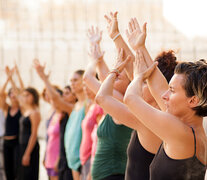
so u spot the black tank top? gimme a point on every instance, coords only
(163, 167)
(63, 160)
(12, 123)
(138, 161)
(25, 130)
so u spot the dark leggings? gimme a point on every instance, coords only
(115, 177)
(10, 150)
(30, 172)
(65, 174)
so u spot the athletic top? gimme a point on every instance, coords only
(164, 167)
(63, 161)
(72, 138)
(111, 157)
(88, 124)
(139, 160)
(12, 123)
(25, 130)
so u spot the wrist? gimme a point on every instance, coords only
(116, 36)
(141, 48)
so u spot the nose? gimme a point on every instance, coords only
(165, 95)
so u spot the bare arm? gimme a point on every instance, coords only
(90, 79)
(113, 31)
(3, 104)
(157, 82)
(19, 78)
(35, 120)
(166, 126)
(58, 101)
(95, 37)
(112, 106)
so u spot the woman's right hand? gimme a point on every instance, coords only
(40, 69)
(112, 27)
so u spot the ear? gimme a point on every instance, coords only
(193, 101)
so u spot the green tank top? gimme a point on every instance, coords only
(111, 156)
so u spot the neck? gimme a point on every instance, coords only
(30, 107)
(81, 96)
(155, 105)
(192, 120)
(15, 105)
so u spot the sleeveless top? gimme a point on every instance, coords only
(164, 167)
(88, 124)
(139, 160)
(111, 157)
(25, 130)
(53, 144)
(72, 138)
(63, 161)
(12, 123)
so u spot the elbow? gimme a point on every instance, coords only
(99, 99)
(128, 99)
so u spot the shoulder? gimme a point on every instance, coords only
(35, 115)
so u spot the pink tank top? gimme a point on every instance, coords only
(53, 145)
(88, 124)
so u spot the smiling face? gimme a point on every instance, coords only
(176, 101)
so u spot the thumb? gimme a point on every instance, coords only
(126, 61)
(150, 70)
(144, 28)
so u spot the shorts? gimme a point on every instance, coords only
(51, 172)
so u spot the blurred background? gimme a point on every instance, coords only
(55, 32)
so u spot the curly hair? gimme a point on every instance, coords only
(167, 63)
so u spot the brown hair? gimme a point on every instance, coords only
(167, 63)
(195, 82)
(35, 95)
(80, 72)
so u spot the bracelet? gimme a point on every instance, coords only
(116, 71)
(116, 36)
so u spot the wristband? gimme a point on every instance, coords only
(116, 36)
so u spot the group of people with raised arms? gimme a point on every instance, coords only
(140, 119)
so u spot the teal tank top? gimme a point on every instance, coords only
(111, 152)
(72, 138)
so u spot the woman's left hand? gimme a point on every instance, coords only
(94, 35)
(140, 67)
(26, 160)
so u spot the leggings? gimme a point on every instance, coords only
(10, 151)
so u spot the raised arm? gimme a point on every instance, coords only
(95, 37)
(115, 35)
(156, 82)
(104, 97)
(58, 101)
(35, 120)
(90, 75)
(166, 126)
(3, 104)
(19, 77)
